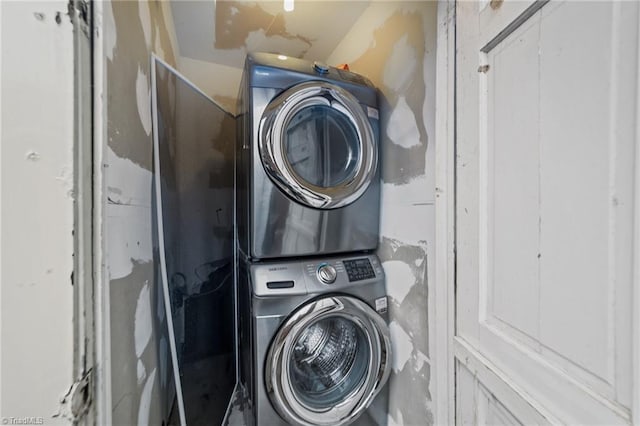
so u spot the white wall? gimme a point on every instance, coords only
(37, 209)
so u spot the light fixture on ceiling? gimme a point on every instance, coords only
(288, 5)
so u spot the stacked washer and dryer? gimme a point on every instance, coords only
(313, 331)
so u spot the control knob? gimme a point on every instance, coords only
(327, 273)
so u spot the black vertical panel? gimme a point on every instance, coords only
(196, 141)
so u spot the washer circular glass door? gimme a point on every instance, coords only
(317, 145)
(328, 361)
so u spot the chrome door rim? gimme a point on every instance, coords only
(272, 131)
(280, 389)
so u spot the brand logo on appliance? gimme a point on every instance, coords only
(278, 268)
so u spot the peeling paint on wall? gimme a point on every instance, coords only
(127, 118)
(129, 240)
(129, 184)
(140, 371)
(137, 349)
(402, 36)
(402, 66)
(406, 211)
(237, 22)
(401, 345)
(109, 35)
(248, 26)
(143, 324)
(400, 274)
(144, 409)
(143, 100)
(402, 129)
(394, 45)
(411, 312)
(409, 383)
(145, 20)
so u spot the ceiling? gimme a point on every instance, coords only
(223, 32)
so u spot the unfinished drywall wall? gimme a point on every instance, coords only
(215, 37)
(37, 199)
(220, 82)
(138, 370)
(394, 44)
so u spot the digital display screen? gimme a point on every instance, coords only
(359, 269)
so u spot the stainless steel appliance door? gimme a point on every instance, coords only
(328, 361)
(317, 145)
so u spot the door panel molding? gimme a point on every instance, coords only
(546, 184)
(549, 385)
(635, 378)
(514, 398)
(531, 9)
(530, 407)
(442, 298)
(618, 188)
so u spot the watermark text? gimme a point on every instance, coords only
(22, 420)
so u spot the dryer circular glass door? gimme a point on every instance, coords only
(316, 143)
(328, 361)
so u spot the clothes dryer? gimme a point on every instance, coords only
(308, 161)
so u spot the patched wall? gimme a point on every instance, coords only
(394, 44)
(140, 368)
(215, 37)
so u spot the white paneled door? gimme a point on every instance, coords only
(546, 212)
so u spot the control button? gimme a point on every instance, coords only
(327, 274)
(320, 67)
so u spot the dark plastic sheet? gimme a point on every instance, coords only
(194, 177)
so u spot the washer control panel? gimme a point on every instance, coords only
(359, 269)
(327, 273)
(343, 271)
(315, 276)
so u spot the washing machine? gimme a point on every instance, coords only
(308, 162)
(314, 341)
